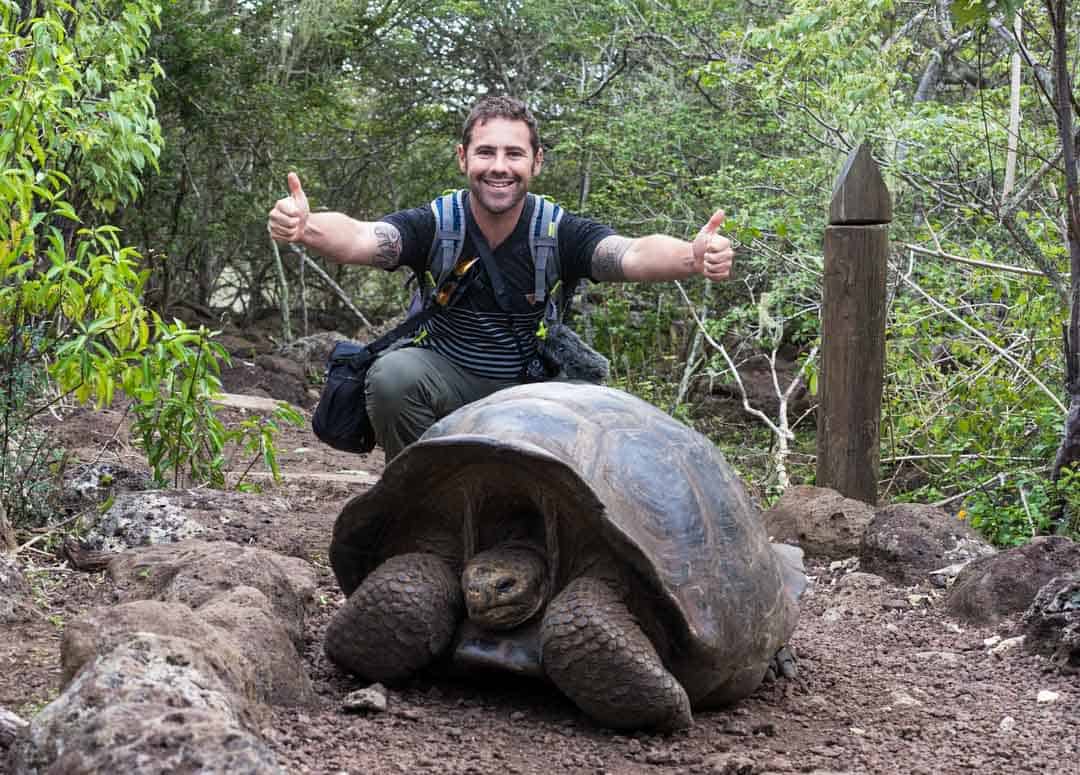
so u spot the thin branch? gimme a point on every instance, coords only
(973, 261)
(337, 289)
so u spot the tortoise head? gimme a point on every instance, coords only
(506, 585)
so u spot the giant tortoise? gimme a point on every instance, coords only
(569, 531)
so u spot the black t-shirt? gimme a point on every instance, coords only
(475, 332)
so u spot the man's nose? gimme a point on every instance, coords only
(501, 163)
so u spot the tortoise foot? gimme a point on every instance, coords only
(595, 652)
(782, 665)
(400, 619)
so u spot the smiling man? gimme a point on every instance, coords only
(487, 339)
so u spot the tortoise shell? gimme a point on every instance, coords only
(590, 470)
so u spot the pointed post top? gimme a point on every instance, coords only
(860, 196)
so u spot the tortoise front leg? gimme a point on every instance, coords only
(595, 652)
(401, 617)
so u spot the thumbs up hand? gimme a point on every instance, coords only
(288, 219)
(713, 253)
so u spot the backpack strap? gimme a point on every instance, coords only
(544, 247)
(449, 239)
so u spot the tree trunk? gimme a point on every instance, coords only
(7, 533)
(1069, 451)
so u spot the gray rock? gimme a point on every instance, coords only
(146, 706)
(169, 516)
(820, 520)
(1000, 586)
(16, 598)
(98, 631)
(1052, 622)
(371, 699)
(906, 542)
(194, 572)
(311, 352)
(93, 482)
(149, 740)
(856, 594)
(142, 519)
(247, 615)
(11, 727)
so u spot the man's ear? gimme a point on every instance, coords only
(461, 157)
(539, 162)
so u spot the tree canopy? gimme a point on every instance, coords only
(178, 124)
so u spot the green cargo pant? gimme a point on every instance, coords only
(409, 389)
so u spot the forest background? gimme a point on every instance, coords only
(144, 143)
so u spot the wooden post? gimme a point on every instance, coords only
(853, 330)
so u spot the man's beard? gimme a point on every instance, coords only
(500, 206)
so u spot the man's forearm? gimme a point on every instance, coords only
(655, 258)
(346, 240)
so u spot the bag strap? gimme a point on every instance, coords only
(449, 239)
(544, 244)
(451, 223)
(491, 266)
(430, 309)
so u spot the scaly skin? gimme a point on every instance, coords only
(505, 586)
(399, 620)
(595, 652)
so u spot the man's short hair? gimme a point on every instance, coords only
(500, 106)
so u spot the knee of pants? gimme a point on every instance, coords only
(392, 380)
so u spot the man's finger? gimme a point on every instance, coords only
(714, 223)
(295, 189)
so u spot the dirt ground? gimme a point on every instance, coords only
(887, 682)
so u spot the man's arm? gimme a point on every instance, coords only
(658, 257)
(336, 236)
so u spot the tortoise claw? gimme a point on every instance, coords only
(782, 665)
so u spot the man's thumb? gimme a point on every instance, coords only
(295, 190)
(714, 223)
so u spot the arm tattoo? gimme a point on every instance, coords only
(388, 246)
(607, 259)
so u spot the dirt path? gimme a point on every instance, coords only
(887, 683)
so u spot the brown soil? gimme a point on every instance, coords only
(886, 684)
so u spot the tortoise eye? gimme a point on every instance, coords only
(504, 585)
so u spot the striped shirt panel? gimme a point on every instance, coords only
(494, 345)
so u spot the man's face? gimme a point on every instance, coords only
(499, 164)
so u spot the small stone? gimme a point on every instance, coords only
(730, 764)
(857, 731)
(411, 714)
(371, 699)
(517, 716)
(766, 728)
(661, 757)
(904, 700)
(1007, 645)
(944, 657)
(1007, 724)
(777, 763)
(1045, 697)
(736, 728)
(943, 578)
(992, 641)
(833, 615)
(894, 604)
